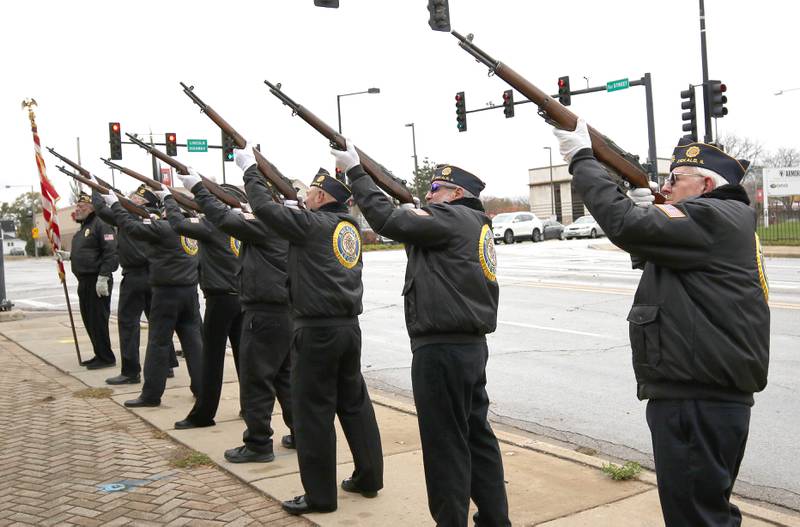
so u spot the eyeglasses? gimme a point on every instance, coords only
(436, 186)
(673, 178)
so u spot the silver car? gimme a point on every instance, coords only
(583, 227)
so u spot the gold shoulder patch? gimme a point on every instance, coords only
(671, 211)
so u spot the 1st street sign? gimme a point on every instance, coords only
(620, 84)
(197, 145)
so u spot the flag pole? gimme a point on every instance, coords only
(49, 199)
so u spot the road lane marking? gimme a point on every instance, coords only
(557, 330)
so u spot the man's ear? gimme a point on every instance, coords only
(708, 184)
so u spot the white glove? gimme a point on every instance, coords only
(163, 193)
(102, 286)
(191, 179)
(643, 197)
(411, 206)
(346, 159)
(291, 204)
(245, 158)
(110, 198)
(569, 143)
(237, 210)
(62, 256)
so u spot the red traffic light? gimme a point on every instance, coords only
(115, 127)
(561, 83)
(723, 88)
(458, 97)
(171, 138)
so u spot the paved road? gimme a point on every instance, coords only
(560, 359)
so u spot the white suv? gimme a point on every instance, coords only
(515, 226)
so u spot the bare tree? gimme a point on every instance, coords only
(742, 148)
(783, 157)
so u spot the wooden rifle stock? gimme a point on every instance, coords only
(183, 200)
(104, 188)
(393, 186)
(267, 169)
(606, 151)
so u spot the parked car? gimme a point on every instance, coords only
(16, 251)
(517, 226)
(585, 226)
(553, 230)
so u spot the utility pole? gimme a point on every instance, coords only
(706, 92)
(651, 128)
(414, 143)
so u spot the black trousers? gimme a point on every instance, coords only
(459, 449)
(698, 446)
(134, 299)
(174, 309)
(265, 374)
(326, 380)
(95, 311)
(222, 321)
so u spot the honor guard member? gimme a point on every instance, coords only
(325, 292)
(174, 309)
(264, 359)
(134, 291)
(699, 325)
(222, 320)
(93, 260)
(451, 296)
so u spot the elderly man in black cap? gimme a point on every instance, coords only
(93, 259)
(699, 325)
(325, 292)
(451, 296)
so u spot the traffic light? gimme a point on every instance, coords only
(717, 101)
(326, 3)
(115, 140)
(689, 117)
(563, 91)
(461, 112)
(440, 15)
(172, 144)
(227, 147)
(508, 103)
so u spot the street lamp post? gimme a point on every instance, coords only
(552, 189)
(414, 144)
(33, 214)
(339, 104)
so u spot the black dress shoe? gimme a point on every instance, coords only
(170, 373)
(142, 403)
(299, 505)
(187, 424)
(124, 379)
(242, 454)
(349, 486)
(87, 362)
(99, 365)
(288, 441)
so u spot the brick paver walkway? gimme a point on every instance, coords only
(58, 450)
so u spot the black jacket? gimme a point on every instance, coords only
(172, 259)
(699, 325)
(324, 256)
(94, 248)
(263, 254)
(451, 290)
(131, 252)
(219, 252)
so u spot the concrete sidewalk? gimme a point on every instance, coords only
(547, 484)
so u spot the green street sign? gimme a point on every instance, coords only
(617, 85)
(197, 145)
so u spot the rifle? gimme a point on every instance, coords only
(393, 186)
(212, 187)
(183, 200)
(127, 204)
(267, 169)
(555, 114)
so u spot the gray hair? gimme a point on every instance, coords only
(716, 178)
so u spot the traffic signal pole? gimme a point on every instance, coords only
(707, 138)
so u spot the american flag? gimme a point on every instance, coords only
(49, 194)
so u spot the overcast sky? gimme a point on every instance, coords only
(91, 62)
